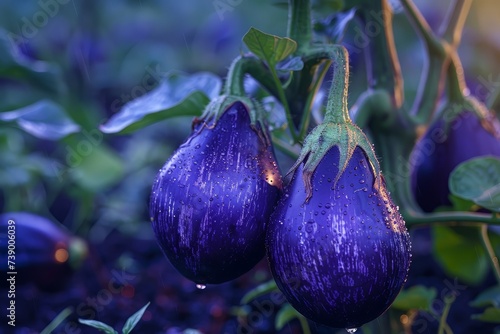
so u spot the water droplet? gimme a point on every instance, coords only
(201, 286)
(351, 330)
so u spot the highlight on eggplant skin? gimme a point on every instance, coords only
(212, 199)
(342, 257)
(44, 253)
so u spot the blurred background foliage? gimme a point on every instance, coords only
(89, 58)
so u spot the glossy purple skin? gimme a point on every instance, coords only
(36, 241)
(436, 155)
(211, 200)
(341, 258)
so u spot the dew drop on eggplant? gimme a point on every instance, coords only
(201, 286)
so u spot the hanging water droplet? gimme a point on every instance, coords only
(351, 330)
(201, 286)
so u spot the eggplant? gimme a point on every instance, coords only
(337, 245)
(211, 200)
(39, 251)
(459, 133)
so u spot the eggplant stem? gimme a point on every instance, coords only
(495, 266)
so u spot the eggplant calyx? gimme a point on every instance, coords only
(346, 136)
(218, 106)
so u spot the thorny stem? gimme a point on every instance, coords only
(336, 107)
(299, 23)
(495, 266)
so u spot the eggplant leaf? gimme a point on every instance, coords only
(134, 319)
(491, 314)
(97, 170)
(286, 314)
(460, 253)
(416, 297)
(99, 325)
(176, 95)
(270, 48)
(43, 119)
(14, 65)
(489, 297)
(260, 290)
(478, 180)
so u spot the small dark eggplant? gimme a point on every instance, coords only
(337, 245)
(211, 200)
(38, 250)
(459, 133)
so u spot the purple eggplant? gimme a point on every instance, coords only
(211, 200)
(337, 245)
(459, 133)
(38, 250)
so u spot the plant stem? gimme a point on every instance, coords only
(317, 80)
(422, 27)
(430, 89)
(57, 320)
(495, 266)
(384, 70)
(336, 107)
(448, 300)
(299, 23)
(247, 64)
(456, 81)
(454, 22)
(286, 105)
(432, 79)
(286, 148)
(414, 218)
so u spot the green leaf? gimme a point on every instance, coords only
(99, 325)
(269, 48)
(489, 297)
(43, 119)
(14, 65)
(176, 95)
(460, 253)
(100, 169)
(416, 297)
(134, 319)
(260, 290)
(286, 314)
(478, 180)
(491, 314)
(460, 204)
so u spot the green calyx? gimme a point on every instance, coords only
(337, 128)
(218, 106)
(469, 104)
(346, 136)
